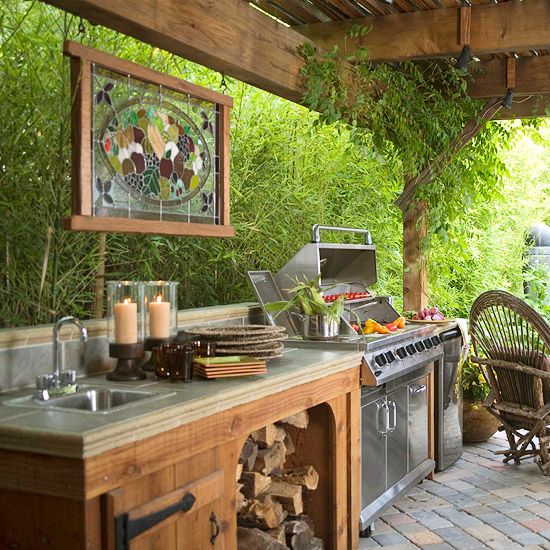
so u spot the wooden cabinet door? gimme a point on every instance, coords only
(167, 510)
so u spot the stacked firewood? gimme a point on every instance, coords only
(270, 503)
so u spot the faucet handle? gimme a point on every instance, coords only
(68, 377)
(46, 381)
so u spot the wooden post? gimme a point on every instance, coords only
(415, 275)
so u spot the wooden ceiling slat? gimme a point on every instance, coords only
(302, 11)
(350, 9)
(328, 9)
(283, 15)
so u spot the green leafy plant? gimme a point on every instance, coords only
(473, 382)
(308, 298)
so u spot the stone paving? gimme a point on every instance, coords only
(477, 503)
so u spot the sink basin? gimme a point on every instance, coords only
(91, 399)
(98, 400)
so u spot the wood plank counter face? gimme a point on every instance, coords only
(80, 435)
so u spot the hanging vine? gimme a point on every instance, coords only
(410, 112)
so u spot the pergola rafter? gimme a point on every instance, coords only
(437, 33)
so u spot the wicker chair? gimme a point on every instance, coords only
(511, 343)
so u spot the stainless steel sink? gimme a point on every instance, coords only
(91, 399)
(99, 400)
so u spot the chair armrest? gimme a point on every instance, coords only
(520, 367)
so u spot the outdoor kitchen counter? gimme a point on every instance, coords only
(83, 480)
(80, 434)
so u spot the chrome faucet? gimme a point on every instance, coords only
(60, 381)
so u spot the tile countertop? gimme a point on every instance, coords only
(80, 434)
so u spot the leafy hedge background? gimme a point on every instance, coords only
(288, 172)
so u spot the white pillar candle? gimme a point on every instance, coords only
(126, 327)
(159, 318)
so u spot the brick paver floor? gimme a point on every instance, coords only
(477, 503)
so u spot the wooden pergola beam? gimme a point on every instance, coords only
(532, 76)
(226, 35)
(494, 28)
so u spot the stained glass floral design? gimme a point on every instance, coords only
(154, 151)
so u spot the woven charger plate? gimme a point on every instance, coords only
(256, 343)
(233, 332)
(276, 351)
(249, 347)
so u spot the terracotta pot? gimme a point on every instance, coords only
(478, 423)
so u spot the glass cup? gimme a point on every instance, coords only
(160, 362)
(204, 347)
(180, 362)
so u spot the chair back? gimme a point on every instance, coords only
(505, 328)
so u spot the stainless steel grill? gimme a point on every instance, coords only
(394, 371)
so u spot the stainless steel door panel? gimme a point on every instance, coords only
(450, 405)
(397, 435)
(374, 424)
(418, 422)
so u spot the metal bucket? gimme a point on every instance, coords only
(320, 327)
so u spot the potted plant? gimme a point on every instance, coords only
(478, 423)
(320, 320)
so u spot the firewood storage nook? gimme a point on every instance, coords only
(278, 487)
(164, 475)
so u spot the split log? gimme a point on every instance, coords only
(264, 515)
(271, 460)
(288, 495)
(278, 534)
(289, 444)
(306, 476)
(280, 433)
(254, 539)
(300, 420)
(254, 483)
(238, 472)
(316, 544)
(248, 455)
(266, 436)
(240, 500)
(299, 533)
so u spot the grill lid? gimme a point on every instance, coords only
(349, 264)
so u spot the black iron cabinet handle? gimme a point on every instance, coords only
(127, 529)
(215, 528)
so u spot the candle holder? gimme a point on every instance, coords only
(125, 304)
(161, 316)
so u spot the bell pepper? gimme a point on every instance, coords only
(400, 322)
(391, 326)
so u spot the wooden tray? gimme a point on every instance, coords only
(227, 360)
(229, 373)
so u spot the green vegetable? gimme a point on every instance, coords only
(308, 298)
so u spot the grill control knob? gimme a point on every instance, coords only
(427, 343)
(436, 340)
(411, 350)
(377, 372)
(390, 357)
(419, 346)
(380, 360)
(401, 353)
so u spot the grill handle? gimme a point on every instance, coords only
(316, 230)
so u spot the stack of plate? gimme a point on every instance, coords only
(260, 341)
(231, 365)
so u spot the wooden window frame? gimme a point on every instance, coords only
(82, 218)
